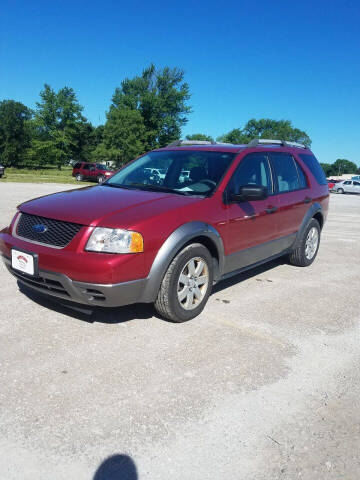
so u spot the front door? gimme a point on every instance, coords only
(251, 225)
(356, 187)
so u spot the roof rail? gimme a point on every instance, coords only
(264, 141)
(179, 143)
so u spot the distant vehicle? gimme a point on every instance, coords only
(156, 172)
(348, 186)
(184, 176)
(356, 177)
(91, 171)
(2, 170)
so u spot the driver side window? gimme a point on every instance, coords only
(253, 170)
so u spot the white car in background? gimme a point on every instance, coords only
(347, 186)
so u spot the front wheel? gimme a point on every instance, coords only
(309, 243)
(186, 285)
(100, 179)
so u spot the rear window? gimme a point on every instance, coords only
(77, 165)
(314, 167)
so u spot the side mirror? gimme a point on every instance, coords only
(249, 193)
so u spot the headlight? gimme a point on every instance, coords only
(109, 240)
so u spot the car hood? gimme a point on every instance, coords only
(103, 205)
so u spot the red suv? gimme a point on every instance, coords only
(91, 171)
(137, 238)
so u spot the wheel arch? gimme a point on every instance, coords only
(192, 232)
(315, 211)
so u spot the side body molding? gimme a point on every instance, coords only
(313, 210)
(172, 245)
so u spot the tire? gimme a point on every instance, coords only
(169, 303)
(100, 179)
(303, 256)
(340, 190)
(78, 177)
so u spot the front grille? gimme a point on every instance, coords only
(42, 283)
(57, 232)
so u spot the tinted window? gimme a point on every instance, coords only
(164, 171)
(252, 170)
(347, 183)
(314, 167)
(302, 177)
(86, 166)
(77, 165)
(100, 166)
(286, 172)
(357, 183)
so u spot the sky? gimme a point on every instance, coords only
(242, 59)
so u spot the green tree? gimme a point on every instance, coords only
(266, 128)
(341, 166)
(14, 132)
(124, 136)
(160, 97)
(235, 136)
(328, 169)
(199, 136)
(61, 131)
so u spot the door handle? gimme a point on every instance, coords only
(271, 209)
(307, 200)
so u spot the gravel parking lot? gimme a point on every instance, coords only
(264, 384)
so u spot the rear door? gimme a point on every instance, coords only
(292, 188)
(251, 225)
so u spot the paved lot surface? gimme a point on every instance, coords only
(265, 384)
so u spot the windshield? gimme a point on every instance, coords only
(182, 172)
(100, 166)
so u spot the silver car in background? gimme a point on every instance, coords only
(347, 186)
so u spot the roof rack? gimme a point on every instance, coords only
(179, 143)
(264, 141)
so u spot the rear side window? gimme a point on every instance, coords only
(252, 170)
(86, 166)
(314, 167)
(286, 172)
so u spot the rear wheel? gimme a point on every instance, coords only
(186, 285)
(100, 179)
(78, 177)
(306, 252)
(340, 190)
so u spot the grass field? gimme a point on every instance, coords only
(42, 175)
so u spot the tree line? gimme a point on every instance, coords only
(146, 112)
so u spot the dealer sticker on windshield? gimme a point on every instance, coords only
(22, 261)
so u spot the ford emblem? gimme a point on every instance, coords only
(39, 228)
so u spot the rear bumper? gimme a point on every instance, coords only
(61, 286)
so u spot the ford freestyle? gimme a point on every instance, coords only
(167, 239)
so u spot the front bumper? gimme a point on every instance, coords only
(61, 286)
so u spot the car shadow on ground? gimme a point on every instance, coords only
(136, 311)
(117, 467)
